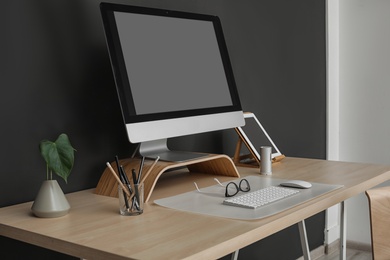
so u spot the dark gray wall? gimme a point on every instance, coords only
(56, 77)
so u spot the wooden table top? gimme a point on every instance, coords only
(94, 229)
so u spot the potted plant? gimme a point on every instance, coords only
(59, 156)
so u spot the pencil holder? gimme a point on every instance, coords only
(134, 204)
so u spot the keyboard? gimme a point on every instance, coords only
(262, 197)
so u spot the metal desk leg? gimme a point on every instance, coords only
(343, 231)
(235, 255)
(304, 243)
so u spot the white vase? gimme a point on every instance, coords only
(50, 201)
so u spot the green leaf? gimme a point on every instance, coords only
(59, 155)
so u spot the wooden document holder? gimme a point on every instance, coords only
(253, 134)
(211, 164)
(249, 160)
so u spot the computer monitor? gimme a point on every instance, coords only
(173, 75)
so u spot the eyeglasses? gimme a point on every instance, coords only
(232, 188)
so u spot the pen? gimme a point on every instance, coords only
(134, 175)
(117, 163)
(141, 166)
(135, 185)
(124, 193)
(122, 170)
(123, 178)
(121, 173)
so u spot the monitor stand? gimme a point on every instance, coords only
(214, 164)
(153, 149)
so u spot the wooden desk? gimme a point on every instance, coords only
(94, 229)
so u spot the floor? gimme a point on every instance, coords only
(352, 254)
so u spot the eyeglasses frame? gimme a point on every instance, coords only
(238, 187)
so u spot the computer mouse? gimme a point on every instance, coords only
(297, 184)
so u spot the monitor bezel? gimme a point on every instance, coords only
(119, 69)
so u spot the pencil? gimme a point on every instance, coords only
(150, 169)
(117, 179)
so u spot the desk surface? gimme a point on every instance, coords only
(94, 229)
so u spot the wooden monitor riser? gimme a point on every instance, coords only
(210, 164)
